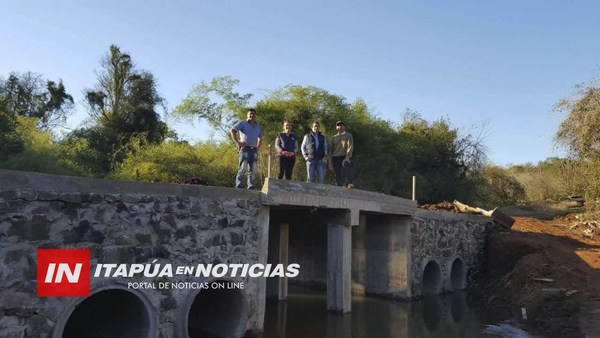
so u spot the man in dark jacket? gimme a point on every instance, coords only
(314, 150)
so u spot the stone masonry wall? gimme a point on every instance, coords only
(184, 227)
(442, 237)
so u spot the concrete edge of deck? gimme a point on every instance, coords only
(11, 179)
(274, 192)
(295, 193)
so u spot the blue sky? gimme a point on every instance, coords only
(504, 62)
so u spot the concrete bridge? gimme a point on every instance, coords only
(347, 241)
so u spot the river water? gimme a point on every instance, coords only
(305, 314)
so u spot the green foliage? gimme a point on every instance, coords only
(123, 105)
(95, 150)
(445, 163)
(214, 163)
(200, 103)
(500, 188)
(301, 106)
(40, 153)
(384, 159)
(126, 139)
(28, 95)
(553, 178)
(125, 101)
(579, 133)
(579, 129)
(589, 174)
(11, 142)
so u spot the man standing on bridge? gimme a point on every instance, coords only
(342, 147)
(248, 145)
(314, 150)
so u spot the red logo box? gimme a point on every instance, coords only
(63, 272)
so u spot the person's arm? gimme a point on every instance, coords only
(279, 145)
(234, 137)
(259, 141)
(325, 149)
(305, 147)
(350, 147)
(295, 147)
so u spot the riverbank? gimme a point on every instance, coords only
(545, 276)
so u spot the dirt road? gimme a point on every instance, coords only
(552, 270)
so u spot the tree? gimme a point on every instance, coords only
(28, 95)
(11, 142)
(579, 130)
(445, 162)
(125, 100)
(303, 105)
(123, 106)
(500, 187)
(200, 103)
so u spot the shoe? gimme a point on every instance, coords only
(350, 186)
(251, 187)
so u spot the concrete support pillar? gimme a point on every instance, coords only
(281, 318)
(278, 254)
(284, 234)
(339, 266)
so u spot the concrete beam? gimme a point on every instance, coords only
(340, 217)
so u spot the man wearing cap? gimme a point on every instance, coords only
(248, 144)
(341, 153)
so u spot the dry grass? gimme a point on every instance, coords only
(543, 210)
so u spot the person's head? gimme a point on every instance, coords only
(287, 126)
(252, 115)
(316, 127)
(339, 126)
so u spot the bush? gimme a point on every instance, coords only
(214, 163)
(500, 188)
(40, 153)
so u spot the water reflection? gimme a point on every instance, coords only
(305, 315)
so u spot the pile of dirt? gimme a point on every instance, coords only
(447, 206)
(551, 270)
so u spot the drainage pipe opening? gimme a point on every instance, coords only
(219, 312)
(110, 313)
(432, 278)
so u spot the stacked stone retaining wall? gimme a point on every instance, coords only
(123, 222)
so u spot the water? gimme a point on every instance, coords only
(305, 315)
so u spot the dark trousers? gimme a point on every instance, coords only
(342, 171)
(286, 165)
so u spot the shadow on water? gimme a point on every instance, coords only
(305, 315)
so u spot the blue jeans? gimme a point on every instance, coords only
(247, 156)
(315, 169)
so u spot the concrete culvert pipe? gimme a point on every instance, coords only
(432, 278)
(458, 275)
(217, 312)
(111, 313)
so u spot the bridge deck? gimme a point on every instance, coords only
(295, 193)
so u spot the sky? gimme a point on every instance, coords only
(502, 64)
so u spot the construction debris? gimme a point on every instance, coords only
(587, 228)
(498, 216)
(446, 206)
